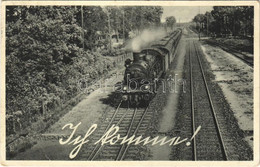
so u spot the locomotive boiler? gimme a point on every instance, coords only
(148, 65)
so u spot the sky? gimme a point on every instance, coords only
(184, 13)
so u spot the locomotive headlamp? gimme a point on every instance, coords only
(124, 97)
(124, 88)
(146, 87)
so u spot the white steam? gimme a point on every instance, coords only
(146, 37)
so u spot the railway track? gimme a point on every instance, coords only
(209, 143)
(131, 121)
(248, 60)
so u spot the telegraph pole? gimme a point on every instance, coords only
(123, 25)
(141, 20)
(199, 24)
(106, 10)
(207, 25)
(82, 25)
(109, 31)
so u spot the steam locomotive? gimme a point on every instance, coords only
(147, 67)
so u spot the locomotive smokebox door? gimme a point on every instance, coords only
(128, 62)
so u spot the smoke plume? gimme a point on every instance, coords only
(145, 38)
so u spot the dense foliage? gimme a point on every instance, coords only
(227, 20)
(45, 57)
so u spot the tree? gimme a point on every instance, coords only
(227, 20)
(170, 21)
(45, 59)
(95, 19)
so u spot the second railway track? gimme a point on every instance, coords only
(208, 144)
(248, 60)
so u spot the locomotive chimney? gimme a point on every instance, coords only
(136, 56)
